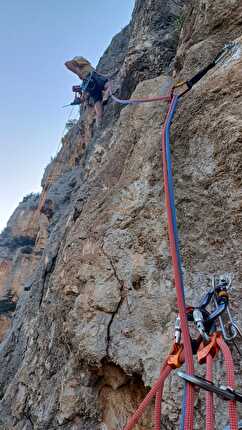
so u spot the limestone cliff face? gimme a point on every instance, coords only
(21, 245)
(88, 338)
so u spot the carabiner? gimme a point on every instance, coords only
(226, 281)
(222, 391)
(226, 49)
(174, 359)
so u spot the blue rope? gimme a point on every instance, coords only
(239, 424)
(170, 184)
(174, 222)
(183, 412)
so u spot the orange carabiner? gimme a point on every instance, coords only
(211, 347)
(175, 360)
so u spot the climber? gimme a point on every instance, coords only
(94, 85)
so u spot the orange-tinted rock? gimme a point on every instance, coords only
(5, 324)
(19, 255)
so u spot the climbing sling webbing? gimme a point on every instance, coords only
(137, 101)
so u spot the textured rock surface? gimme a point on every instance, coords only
(20, 251)
(88, 338)
(154, 33)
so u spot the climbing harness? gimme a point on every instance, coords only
(210, 340)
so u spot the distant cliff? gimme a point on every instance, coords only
(87, 263)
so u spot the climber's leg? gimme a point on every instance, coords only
(99, 112)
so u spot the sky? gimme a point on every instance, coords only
(36, 38)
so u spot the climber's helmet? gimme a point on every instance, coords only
(80, 65)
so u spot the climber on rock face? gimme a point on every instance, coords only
(94, 84)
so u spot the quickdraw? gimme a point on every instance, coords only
(227, 50)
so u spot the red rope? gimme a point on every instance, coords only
(143, 100)
(229, 364)
(136, 101)
(157, 414)
(157, 386)
(157, 389)
(189, 418)
(210, 421)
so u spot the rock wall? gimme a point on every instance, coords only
(89, 336)
(21, 245)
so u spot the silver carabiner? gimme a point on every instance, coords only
(199, 321)
(233, 326)
(178, 330)
(225, 51)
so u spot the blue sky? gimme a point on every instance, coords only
(36, 37)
